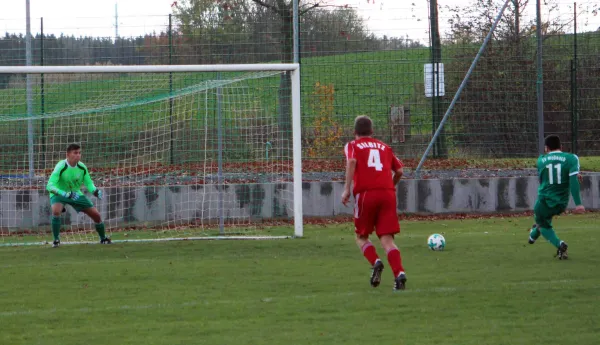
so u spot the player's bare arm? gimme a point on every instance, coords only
(575, 179)
(398, 175)
(575, 193)
(350, 169)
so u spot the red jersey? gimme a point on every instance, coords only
(375, 162)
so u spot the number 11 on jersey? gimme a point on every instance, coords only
(557, 167)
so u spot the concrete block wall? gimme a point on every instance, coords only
(182, 204)
(485, 195)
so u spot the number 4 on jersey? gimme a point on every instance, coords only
(375, 160)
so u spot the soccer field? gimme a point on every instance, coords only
(488, 287)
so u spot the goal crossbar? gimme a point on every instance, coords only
(291, 67)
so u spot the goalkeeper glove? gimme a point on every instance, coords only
(71, 195)
(98, 194)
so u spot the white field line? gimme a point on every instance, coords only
(76, 263)
(547, 285)
(440, 228)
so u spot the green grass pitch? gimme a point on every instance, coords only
(488, 287)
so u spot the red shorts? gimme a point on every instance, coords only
(376, 210)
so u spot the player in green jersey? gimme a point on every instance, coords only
(558, 172)
(64, 187)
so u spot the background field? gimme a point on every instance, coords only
(488, 287)
(349, 68)
(366, 83)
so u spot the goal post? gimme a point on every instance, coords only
(181, 151)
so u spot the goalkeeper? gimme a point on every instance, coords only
(64, 187)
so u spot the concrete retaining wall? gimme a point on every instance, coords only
(175, 204)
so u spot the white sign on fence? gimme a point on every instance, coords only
(431, 80)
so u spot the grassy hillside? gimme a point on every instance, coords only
(368, 83)
(364, 83)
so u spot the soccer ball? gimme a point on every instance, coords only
(436, 242)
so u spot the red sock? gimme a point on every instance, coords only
(370, 253)
(395, 261)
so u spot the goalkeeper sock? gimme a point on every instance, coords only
(395, 261)
(100, 230)
(370, 253)
(550, 235)
(55, 227)
(534, 234)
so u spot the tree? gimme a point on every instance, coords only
(471, 24)
(333, 31)
(212, 26)
(499, 103)
(284, 10)
(215, 20)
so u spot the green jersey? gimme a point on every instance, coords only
(558, 175)
(66, 178)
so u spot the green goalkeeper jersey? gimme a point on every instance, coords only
(558, 176)
(66, 178)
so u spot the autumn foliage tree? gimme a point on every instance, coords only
(220, 22)
(326, 136)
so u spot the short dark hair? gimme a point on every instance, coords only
(363, 126)
(73, 147)
(552, 142)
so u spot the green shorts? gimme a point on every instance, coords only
(543, 213)
(79, 205)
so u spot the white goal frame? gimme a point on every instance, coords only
(294, 68)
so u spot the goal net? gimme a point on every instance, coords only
(180, 152)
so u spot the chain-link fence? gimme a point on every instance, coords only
(366, 58)
(497, 114)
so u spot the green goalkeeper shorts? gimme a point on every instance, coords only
(79, 205)
(543, 213)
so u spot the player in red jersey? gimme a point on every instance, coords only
(370, 165)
